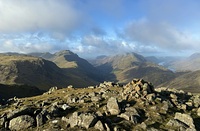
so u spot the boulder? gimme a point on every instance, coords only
(130, 116)
(196, 101)
(21, 111)
(96, 98)
(112, 106)
(87, 120)
(151, 97)
(185, 118)
(198, 111)
(65, 107)
(21, 123)
(40, 119)
(99, 126)
(176, 124)
(73, 120)
(2, 121)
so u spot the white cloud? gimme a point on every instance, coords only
(10, 46)
(160, 35)
(34, 15)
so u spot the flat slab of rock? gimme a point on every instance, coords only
(85, 120)
(21, 123)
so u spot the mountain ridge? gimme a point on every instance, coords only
(123, 68)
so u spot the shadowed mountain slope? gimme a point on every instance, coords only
(72, 64)
(21, 69)
(19, 91)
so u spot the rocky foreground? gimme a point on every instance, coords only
(109, 107)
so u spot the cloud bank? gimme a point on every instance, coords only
(91, 28)
(34, 15)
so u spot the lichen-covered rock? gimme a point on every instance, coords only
(2, 121)
(40, 119)
(21, 111)
(73, 120)
(198, 111)
(185, 118)
(99, 126)
(112, 106)
(196, 101)
(85, 120)
(176, 124)
(130, 116)
(21, 123)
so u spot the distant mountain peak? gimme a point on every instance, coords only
(194, 56)
(64, 52)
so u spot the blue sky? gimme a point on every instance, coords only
(100, 27)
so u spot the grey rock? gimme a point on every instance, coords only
(151, 97)
(190, 129)
(54, 111)
(107, 127)
(21, 123)
(182, 106)
(51, 90)
(99, 126)
(18, 112)
(173, 96)
(152, 129)
(91, 87)
(70, 86)
(189, 103)
(130, 116)
(143, 126)
(87, 120)
(96, 98)
(40, 119)
(196, 101)
(164, 108)
(74, 120)
(118, 128)
(112, 106)
(91, 94)
(176, 124)
(198, 111)
(2, 121)
(65, 107)
(185, 118)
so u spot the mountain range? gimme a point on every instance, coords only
(123, 68)
(42, 71)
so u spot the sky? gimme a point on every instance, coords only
(101, 27)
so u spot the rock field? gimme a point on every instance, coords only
(136, 106)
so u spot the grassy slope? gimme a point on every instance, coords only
(187, 82)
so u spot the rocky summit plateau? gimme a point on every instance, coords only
(136, 106)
